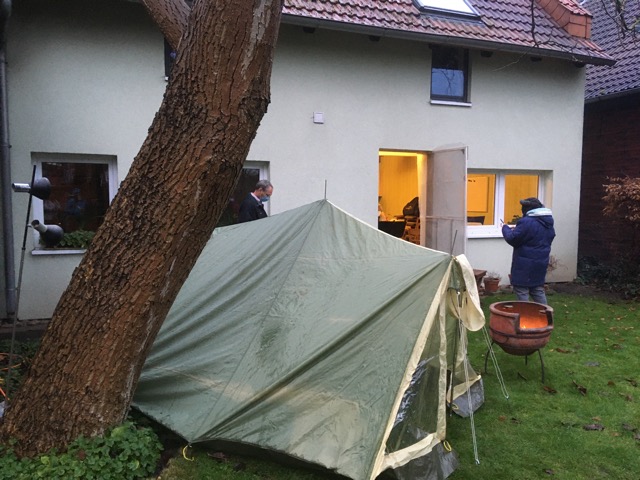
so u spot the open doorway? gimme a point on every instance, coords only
(425, 193)
(399, 193)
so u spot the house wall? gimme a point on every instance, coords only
(83, 77)
(89, 78)
(611, 149)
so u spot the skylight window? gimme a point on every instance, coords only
(451, 7)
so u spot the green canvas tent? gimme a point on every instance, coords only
(312, 334)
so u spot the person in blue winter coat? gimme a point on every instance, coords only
(531, 241)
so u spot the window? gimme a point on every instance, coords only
(169, 59)
(82, 187)
(493, 197)
(449, 74)
(251, 173)
(456, 7)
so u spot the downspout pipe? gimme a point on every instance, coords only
(5, 170)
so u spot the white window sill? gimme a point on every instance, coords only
(57, 251)
(484, 232)
(450, 103)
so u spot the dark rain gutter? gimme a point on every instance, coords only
(308, 22)
(613, 96)
(5, 169)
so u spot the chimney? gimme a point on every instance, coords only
(570, 16)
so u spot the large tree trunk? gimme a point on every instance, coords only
(83, 377)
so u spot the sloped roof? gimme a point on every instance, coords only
(624, 76)
(503, 25)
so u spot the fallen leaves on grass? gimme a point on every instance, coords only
(594, 426)
(514, 420)
(582, 389)
(632, 382)
(549, 389)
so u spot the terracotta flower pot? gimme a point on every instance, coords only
(491, 285)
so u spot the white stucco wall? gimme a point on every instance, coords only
(524, 115)
(88, 80)
(83, 77)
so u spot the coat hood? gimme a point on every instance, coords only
(542, 215)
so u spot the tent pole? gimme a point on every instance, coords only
(455, 355)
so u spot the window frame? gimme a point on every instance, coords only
(38, 158)
(465, 98)
(495, 230)
(461, 8)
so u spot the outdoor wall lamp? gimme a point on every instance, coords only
(39, 188)
(50, 235)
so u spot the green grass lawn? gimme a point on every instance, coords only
(582, 423)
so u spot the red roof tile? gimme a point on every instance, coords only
(503, 25)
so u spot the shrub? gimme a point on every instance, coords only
(125, 452)
(80, 239)
(622, 204)
(621, 276)
(622, 199)
(23, 353)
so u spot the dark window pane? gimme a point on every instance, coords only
(169, 59)
(246, 184)
(449, 74)
(79, 195)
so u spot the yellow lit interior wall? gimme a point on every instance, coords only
(480, 194)
(518, 187)
(398, 182)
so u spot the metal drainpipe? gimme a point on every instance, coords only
(5, 170)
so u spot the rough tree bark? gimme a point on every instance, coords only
(83, 377)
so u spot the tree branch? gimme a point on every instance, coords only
(171, 16)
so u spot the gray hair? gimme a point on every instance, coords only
(263, 185)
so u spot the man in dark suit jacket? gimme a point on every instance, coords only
(252, 207)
